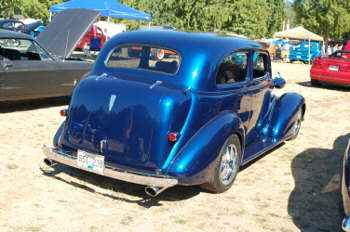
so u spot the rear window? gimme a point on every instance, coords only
(145, 57)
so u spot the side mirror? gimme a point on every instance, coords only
(278, 83)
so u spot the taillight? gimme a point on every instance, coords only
(173, 136)
(63, 113)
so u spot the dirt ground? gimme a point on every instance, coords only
(293, 188)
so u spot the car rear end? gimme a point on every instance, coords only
(331, 70)
(125, 125)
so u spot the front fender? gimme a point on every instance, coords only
(194, 162)
(284, 115)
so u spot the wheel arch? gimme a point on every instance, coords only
(284, 115)
(195, 160)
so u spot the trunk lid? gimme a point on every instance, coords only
(342, 63)
(126, 121)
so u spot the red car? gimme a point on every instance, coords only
(334, 69)
(95, 38)
(347, 46)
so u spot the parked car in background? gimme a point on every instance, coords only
(192, 118)
(345, 188)
(110, 29)
(94, 39)
(19, 26)
(44, 67)
(347, 46)
(333, 69)
(300, 52)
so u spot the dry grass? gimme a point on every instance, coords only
(293, 188)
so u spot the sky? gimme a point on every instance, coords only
(290, 2)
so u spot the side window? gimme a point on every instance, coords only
(7, 25)
(260, 65)
(233, 69)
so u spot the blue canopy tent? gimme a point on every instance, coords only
(108, 8)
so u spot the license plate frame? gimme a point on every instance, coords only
(90, 162)
(333, 68)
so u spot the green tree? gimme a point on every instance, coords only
(8, 8)
(254, 18)
(278, 14)
(249, 18)
(329, 18)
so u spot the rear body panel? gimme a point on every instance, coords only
(131, 118)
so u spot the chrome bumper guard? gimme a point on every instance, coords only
(140, 178)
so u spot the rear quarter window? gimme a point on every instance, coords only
(145, 57)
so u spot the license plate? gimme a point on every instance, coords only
(92, 162)
(298, 57)
(333, 68)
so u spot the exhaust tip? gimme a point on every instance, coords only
(48, 162)
(47, 166)
(152, 191)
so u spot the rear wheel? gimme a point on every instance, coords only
(226, 166)
(297, 125)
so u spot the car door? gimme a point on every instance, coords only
(258, 88)
(231, 81)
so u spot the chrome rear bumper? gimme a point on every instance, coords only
(163, 181)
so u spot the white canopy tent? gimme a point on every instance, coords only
(299, 33)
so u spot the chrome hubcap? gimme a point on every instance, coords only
(297, 124)
(229, 164)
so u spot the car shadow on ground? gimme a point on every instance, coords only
(324, 86)
(8, 107)
(117, 187)
(315, 202)
(176, 193)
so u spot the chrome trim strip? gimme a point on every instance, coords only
(113, 172)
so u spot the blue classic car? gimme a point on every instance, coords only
(345, 188)
(192, 118)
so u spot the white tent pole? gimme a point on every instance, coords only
(149, 25)
(108, 19)
(309, 51)
(50, 17)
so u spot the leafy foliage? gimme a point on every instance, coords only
(330, 18)
(253, 18)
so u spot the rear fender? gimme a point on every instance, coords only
(56, 139)
(284, 115)
(195, 161)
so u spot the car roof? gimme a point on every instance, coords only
(6, 34)
(180, 40)
(201, 53)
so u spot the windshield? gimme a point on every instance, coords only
(145, 57)
(22, 49)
